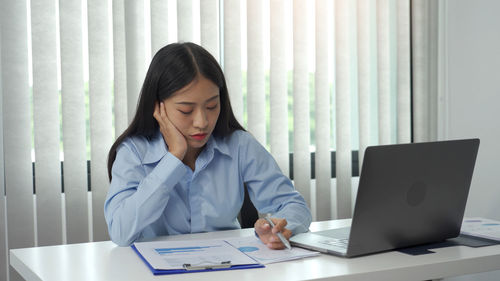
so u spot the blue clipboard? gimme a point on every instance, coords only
(189, 269)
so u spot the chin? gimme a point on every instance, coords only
(197, 144)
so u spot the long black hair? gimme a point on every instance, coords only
(172, 68)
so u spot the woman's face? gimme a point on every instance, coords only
(194, 110)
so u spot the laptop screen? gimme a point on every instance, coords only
(408, 194)
(411, 194)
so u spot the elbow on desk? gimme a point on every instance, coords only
(119, 238)
(122, 243)
(121, 232)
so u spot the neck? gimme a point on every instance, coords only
(191, 156)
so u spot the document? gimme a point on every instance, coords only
(253, 247)
(199, 254)
(173, 257)
(481, 227)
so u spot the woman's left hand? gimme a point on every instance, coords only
(268, 236)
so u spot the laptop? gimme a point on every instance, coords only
(408, 195)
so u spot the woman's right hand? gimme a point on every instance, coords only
(177, 144)
(268, 235)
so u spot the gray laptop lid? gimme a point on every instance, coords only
(411, 194)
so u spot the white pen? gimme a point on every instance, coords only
(280, 235)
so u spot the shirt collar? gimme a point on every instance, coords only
(219, 144)
(156, 148)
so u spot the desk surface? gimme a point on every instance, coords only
(106, 261)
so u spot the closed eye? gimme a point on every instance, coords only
(212, 107)
(185, 112)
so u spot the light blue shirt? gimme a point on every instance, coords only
(152, 193)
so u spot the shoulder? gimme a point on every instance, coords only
(241, 143)
(239, 135)
(238, 139)
(146, 149)
(137, 144)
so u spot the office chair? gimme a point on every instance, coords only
(248, 214)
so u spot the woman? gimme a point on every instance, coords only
(181, 165)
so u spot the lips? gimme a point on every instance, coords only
(199, 136)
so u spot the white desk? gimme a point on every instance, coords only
(106, 261)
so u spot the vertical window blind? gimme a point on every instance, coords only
(343, 55)
(322, 101)
(313, 81)
(16, 122)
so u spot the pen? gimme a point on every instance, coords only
(280, 235)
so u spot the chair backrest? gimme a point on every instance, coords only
(248, 214)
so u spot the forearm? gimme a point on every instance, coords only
(276, 195)
(297, 215)
(136, 205)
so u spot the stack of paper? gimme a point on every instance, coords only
(253, 247)
(480, 227)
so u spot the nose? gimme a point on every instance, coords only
(200, 119)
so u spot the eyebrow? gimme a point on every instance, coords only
(191, 103)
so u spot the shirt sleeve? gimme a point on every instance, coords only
(269, 189)
(136, 199)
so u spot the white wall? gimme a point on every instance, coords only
(472, 98)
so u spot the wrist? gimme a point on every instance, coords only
(177, 153)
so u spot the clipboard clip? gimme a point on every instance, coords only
(224, 264)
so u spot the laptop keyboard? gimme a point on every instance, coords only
(341, 243)
(338, 237)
